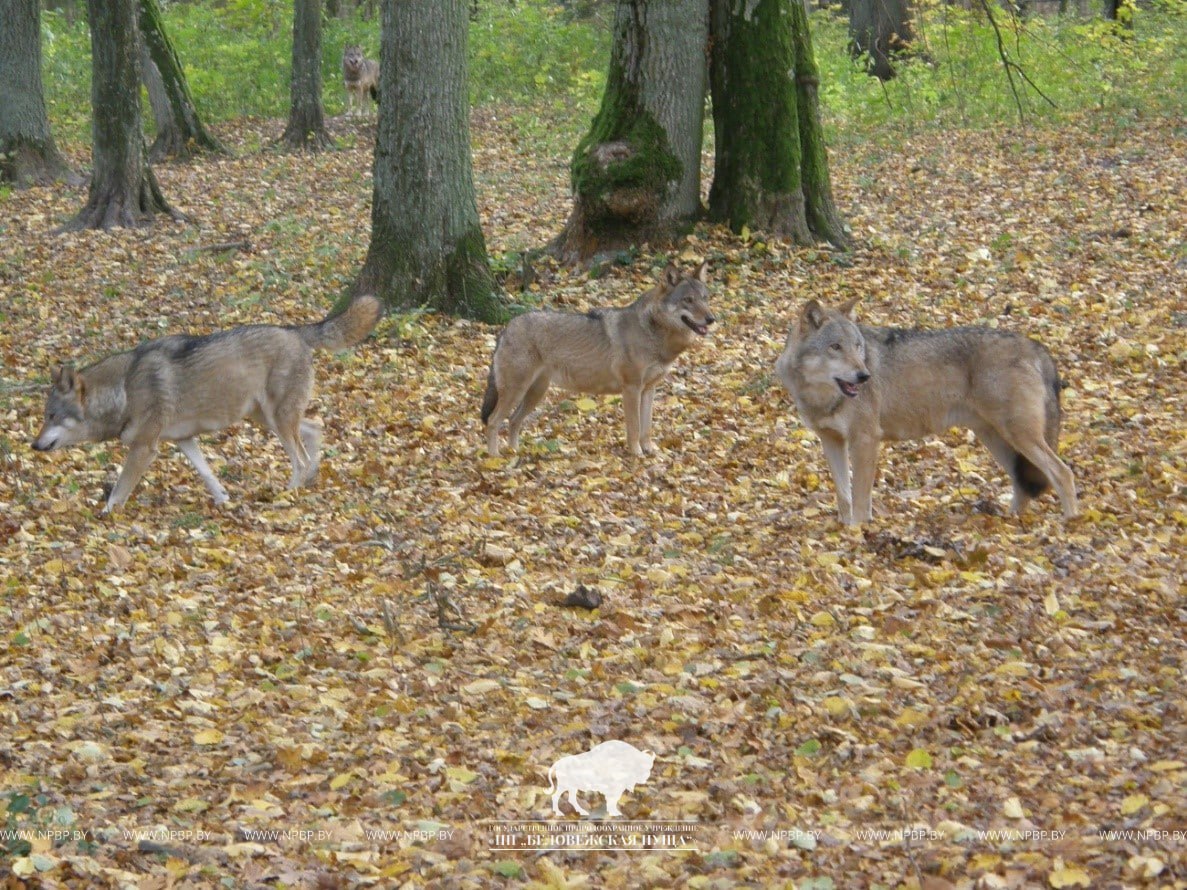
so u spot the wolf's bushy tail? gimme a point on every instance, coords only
(348, 327)
(491, 399)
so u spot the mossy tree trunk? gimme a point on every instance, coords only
(771, 169)
(880, 30)
(28, 155)
(123, 191)
(180, 132)
(306, 130)
(636, 173)
(427, 247)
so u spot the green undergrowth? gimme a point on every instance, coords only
(538, 61)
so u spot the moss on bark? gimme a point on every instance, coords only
(771, 169)
(624, 168)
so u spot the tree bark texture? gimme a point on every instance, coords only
(427, 247)
(771, 169)
(878, 31)
(306, 130)
(180, 132)
(636, 173)
(123, 190)
(28, 155)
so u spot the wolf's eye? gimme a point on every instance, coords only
(836, 347)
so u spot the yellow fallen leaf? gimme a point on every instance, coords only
(919, 759)
(1069, 877)
(1012, 808)
(480, 687)
(1133, 803)
(208, 737)
(340, 781)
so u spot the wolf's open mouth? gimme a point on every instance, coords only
(850, 389)
(701, 329)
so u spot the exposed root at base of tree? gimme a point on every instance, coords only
(25, 163)
(579, 244)
(127, 208)
(306, 139)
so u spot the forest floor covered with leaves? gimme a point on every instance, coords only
(343, 685)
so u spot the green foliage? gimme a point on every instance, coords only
(534, 52)
(551, 68)
(237, 56)
(1083, 65)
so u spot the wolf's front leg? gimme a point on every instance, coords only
(645, 404)
(139, 457)
(632, 403)
(189, 447)
(836, 451)
(863, 456)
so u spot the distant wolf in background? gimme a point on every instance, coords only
(623, 350)
(181, 386)
(855, 386)
(360, 76)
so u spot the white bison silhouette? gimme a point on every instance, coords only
(611, 768)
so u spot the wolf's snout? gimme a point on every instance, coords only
(709, 320)
(863, 376)
(39, 445)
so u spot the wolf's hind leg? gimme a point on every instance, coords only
(311, 438)
(530, 400)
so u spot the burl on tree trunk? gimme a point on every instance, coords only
(636, 174)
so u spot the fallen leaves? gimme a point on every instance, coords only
(407, 646)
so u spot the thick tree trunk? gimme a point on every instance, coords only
(426, 244)
(180, 133)
(1119, 11)
(636, 174)
(771, 170)
(879, 30)
(123, 190)
(306, 130)
(28, 155)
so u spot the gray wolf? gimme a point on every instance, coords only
(624, 350)
(181, 386)
(611, 768)
(360, 76)
(855, 386)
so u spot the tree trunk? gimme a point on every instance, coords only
(771, 169)
(28, 154)
(426, 244)
(123, 190)
(306, 130)
(636, 174)
(180, 133)
(1121, 12)
(878, 31)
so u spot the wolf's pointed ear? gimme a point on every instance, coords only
(813, 315)
(63, 378)
(671, 275)
(849, 308)
(702, 273)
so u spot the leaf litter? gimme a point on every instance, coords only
(370, 668)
